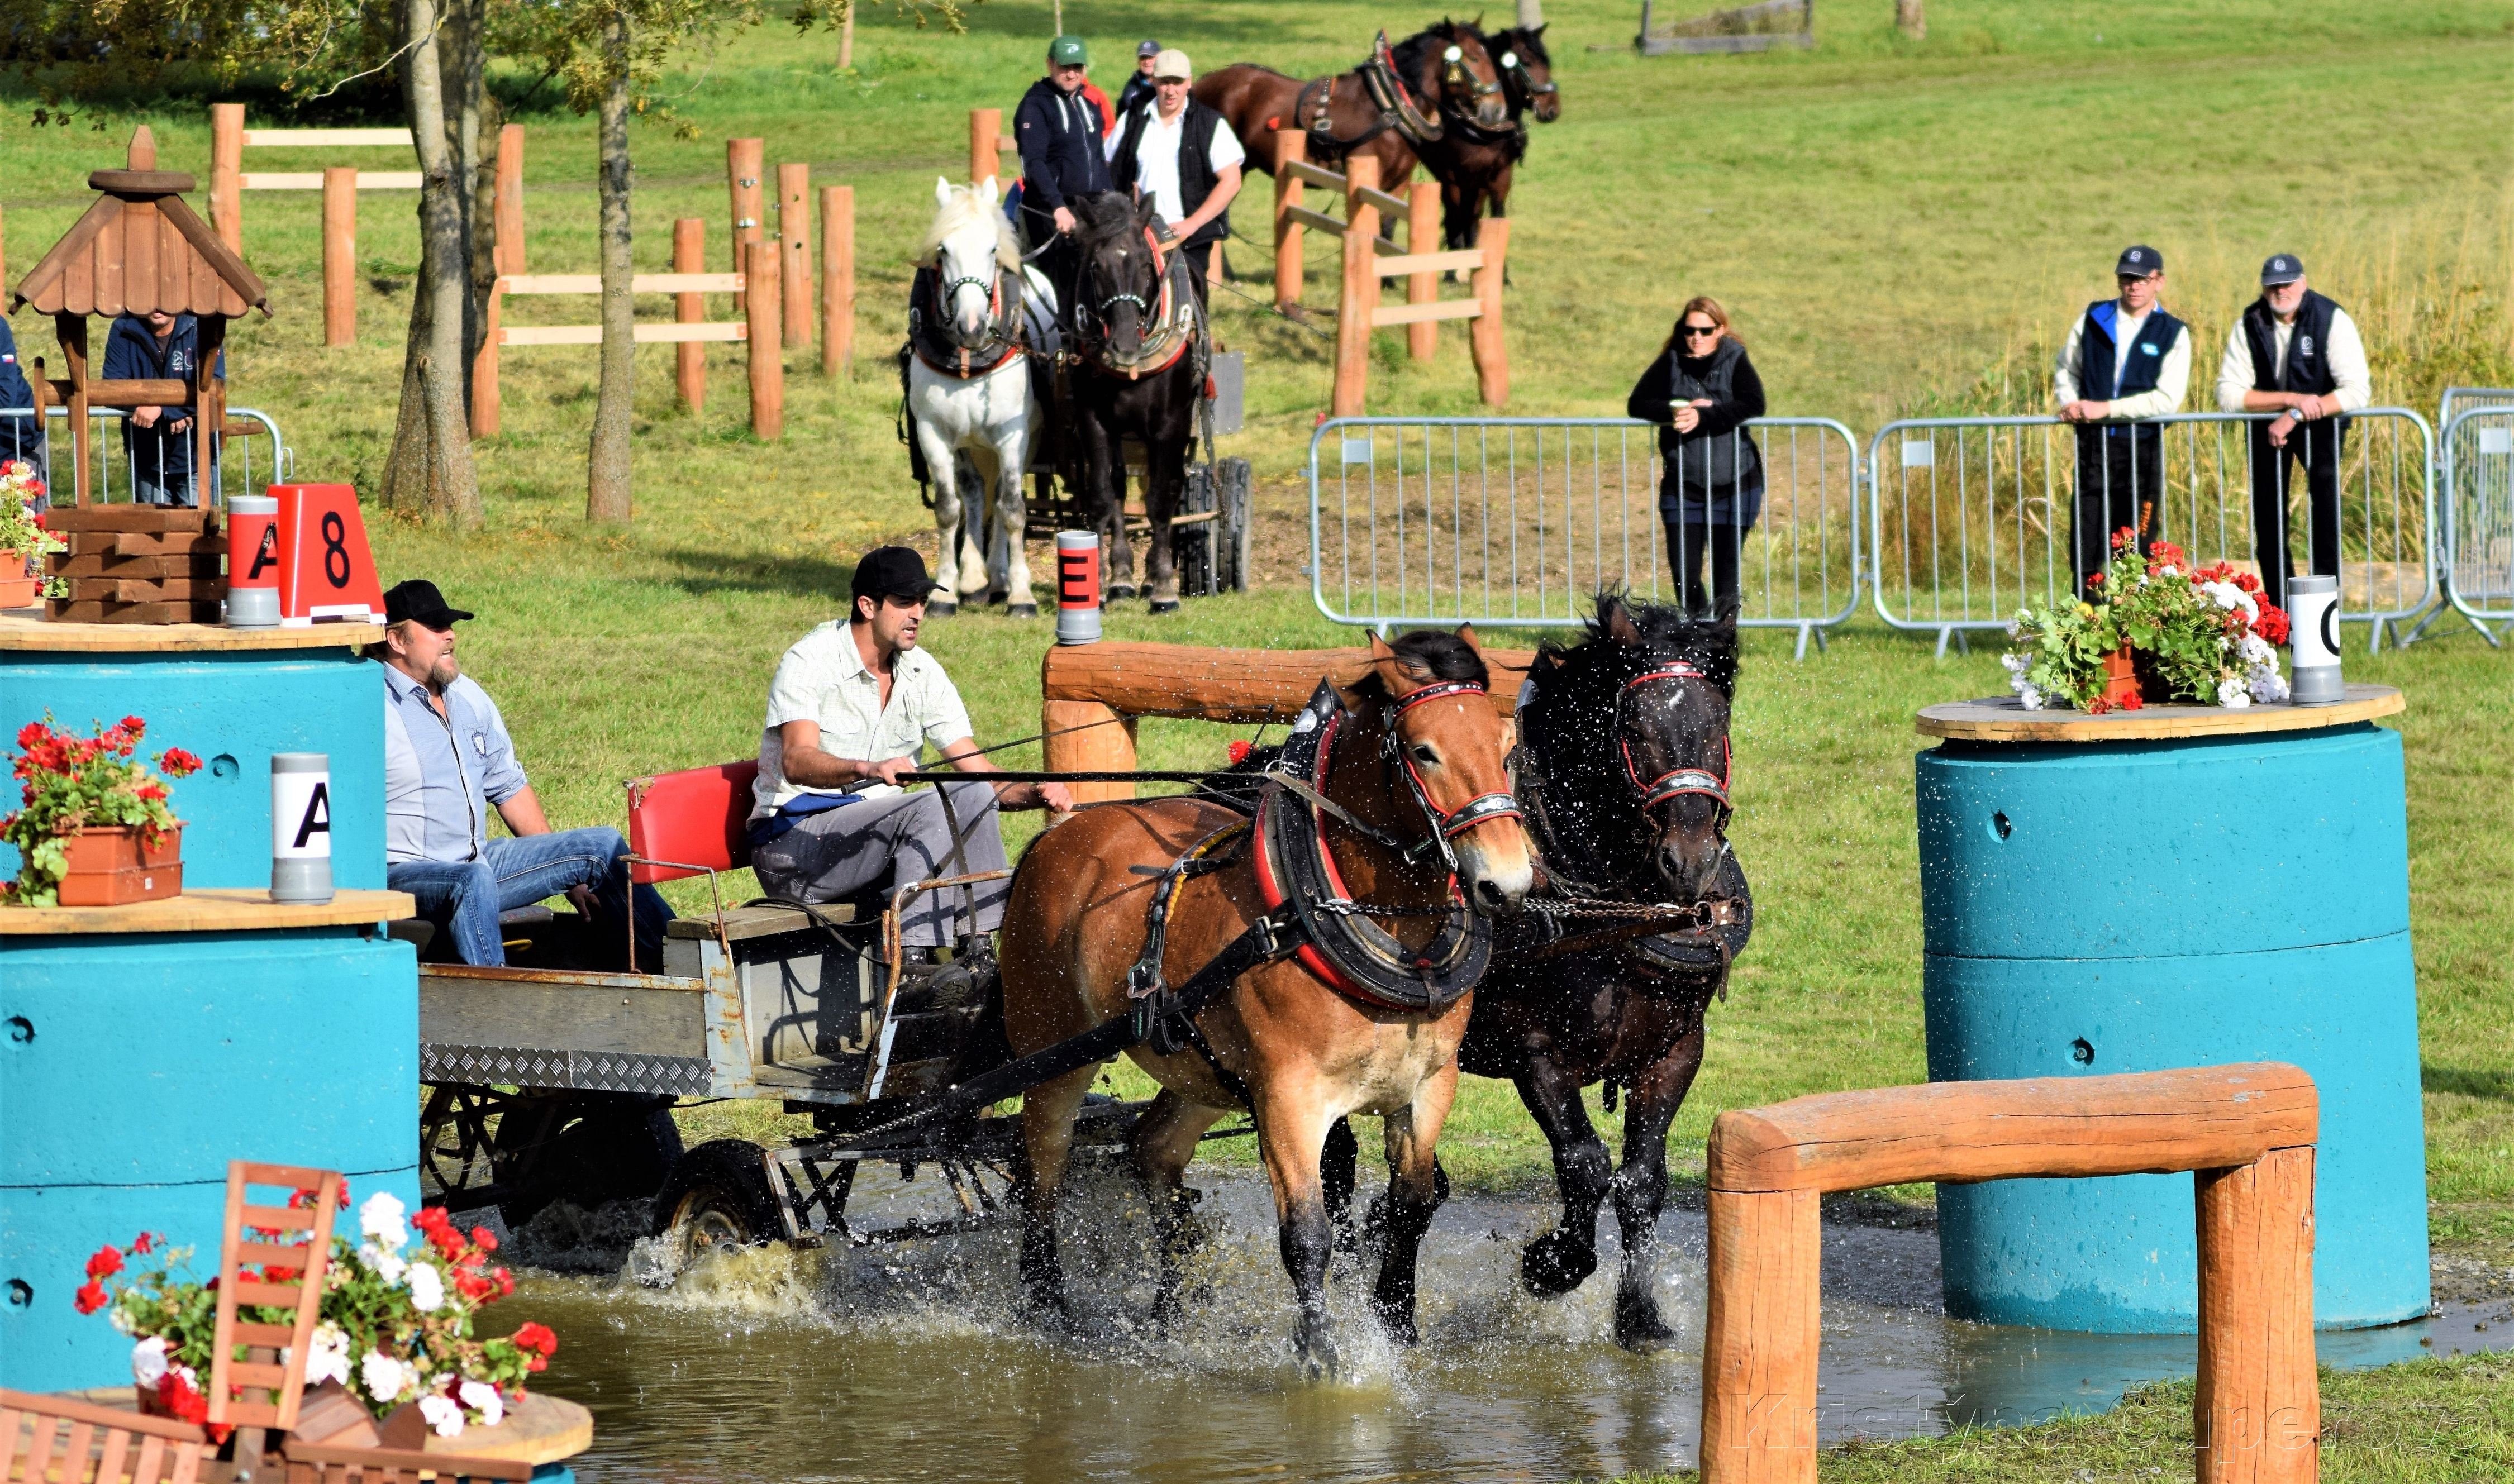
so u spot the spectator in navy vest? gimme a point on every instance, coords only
(158, 440)
(1139, 87)
(448, 762)
(1702, 389)
(1183, 155)
(20, 436)
(1060, 133)
(2127, 360)
(2297, 354)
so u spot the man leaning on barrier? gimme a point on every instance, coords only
(2127, 360)
(2297, 354)
(158, 440)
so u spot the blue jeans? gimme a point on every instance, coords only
(464, 898)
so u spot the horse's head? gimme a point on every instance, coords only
(1452, 747)
(1671, 735)
(967, 244)
(1121, 270)
(1451, 64)
(1526, 72)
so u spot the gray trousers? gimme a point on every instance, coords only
(889, 843)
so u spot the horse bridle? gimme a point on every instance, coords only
(1454, 75)
(947, 289)
(1513, 64)
(1445, 826)
(1676, 783)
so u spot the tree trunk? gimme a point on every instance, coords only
(463, 60)
(429, 470)
(607, 495)
(1908, 17)
(1531, 13)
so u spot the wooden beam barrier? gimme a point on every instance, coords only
(686, 330)
(1423, 283)
(1485, 339)
(1290, 149)
(229, 139)
(340, 256)
(507, 226)
(689, 362)
(767, 355)
(2247, 1132)
(985, 158)
(838, 281)
(1300, 169)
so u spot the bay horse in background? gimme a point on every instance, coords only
(1390, 799)
(1623, 771)
(1475, 164)
(1141, 355)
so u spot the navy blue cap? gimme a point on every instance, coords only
(2139, 261)
(2282, 268)
(1148, 49)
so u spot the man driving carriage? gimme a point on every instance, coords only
(853, 706)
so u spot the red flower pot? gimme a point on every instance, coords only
(2121, 679)
(16, 590)
(111, 867)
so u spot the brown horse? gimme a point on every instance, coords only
(1474, 164)
(1447, 65)
(1412, 768)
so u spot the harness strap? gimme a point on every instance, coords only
(1145, 978)
(1676, 783)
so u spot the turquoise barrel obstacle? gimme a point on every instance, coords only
(2174, 887)
(143, 1046)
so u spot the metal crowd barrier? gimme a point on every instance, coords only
(1520, 521)
(1971, 518)
(114, 474)
(2477, 493)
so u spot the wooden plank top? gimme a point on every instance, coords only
(212, 909)
(744, 922)
(1999, 718)
(542, 1428)
(38, 636)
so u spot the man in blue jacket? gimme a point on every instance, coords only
(158, 440)
(21, 436)
(2126, 360)
(1059, 133)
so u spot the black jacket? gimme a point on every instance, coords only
(1059, 134)
(131, 350)
(1138, 90)
(1196, 175)
(2308, 347)
(1707, 459)
(20, 437)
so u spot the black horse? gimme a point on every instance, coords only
(1623, 772)
(1140, 353)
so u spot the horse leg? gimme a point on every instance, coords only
(1164, 487)
(1295, 1123)
(1562, 1258)
(1414, 1192)
(1339, 1168)
(1163, 1141)
(943, 462)
(1640, 1190)
(1047, 1140)
(1106, 470)
(1011, 568)
(972, 562)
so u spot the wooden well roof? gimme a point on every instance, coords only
(141, 248)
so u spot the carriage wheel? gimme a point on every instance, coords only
(1232, 497)
(717, 1196)
(455, 1142)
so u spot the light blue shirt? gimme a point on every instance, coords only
(442, 774)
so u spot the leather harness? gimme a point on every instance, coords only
(936, 340)
(1383, 85)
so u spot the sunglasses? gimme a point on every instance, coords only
(1700, 332)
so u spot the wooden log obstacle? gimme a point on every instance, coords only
(2247, 1132)
(1370, 256)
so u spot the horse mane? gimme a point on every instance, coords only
(1409, 53)
(966, 207)
(1433, 656)
(1668, 632)
(1101, 215)
(1524, 39)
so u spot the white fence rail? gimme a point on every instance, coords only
(2476, 489)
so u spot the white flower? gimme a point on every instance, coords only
(383, 1264)
(381, 1219)
(443, 1413)
(427, 1288)
(485, 1399)
(148, 1362)
(327, 1357)
(2166, 571)
(120, 1321)
(2257, 652)
(2231, 694)
(2030, 698)
(2268, 685)
(384, 1376)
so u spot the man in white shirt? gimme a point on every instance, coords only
(853, 706)
(2297, 354)
(2126, 359)
(1184, 156)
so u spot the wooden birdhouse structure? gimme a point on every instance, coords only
(139, 248)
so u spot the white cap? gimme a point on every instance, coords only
(1172, 63)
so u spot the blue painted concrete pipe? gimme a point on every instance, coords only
(2132, 906)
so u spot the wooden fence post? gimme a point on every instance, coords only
(227, 163)
(767, 355)
(1758, 1416)
(742, 168)
(487, 405)
(1484, 337)
(839, 279)
(510, 199)
(2258, 1416)
(689, 357)
(1291, 145)
(794, 253)
(1422, 235)
(340, 256)
(1089, 736)
(986, 132)
(1360, 292)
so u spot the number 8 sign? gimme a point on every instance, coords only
(325, 571)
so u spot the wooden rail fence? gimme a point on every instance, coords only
(2247, 1132)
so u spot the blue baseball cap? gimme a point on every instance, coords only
(2282, 268)
(2140, 262)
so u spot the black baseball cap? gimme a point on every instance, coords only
(891, 572)
(418, 601)
(2139, 261)
(1148, 49)
(2282, 268)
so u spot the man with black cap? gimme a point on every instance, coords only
(448, 761)
(1139, 87)
(2126, 359)
(2297, 354)
(1059, 132)
(854, 704)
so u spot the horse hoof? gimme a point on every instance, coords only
(1554, 1265)
(1638, 1328)
(941, 608)
(1119, 592)
(1317, 1358)
(1166, 604)
(1399, 1323)
(1022, 610)
(996, 595)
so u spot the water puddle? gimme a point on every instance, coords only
(907, 1362)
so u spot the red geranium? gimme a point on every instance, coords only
(90, 1297)
(106, 1264)
(69, 784)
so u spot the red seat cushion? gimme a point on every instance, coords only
(698, 818)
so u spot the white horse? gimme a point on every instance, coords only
(985, 412)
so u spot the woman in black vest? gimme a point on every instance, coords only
(1703, 390)
(1180, 152)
